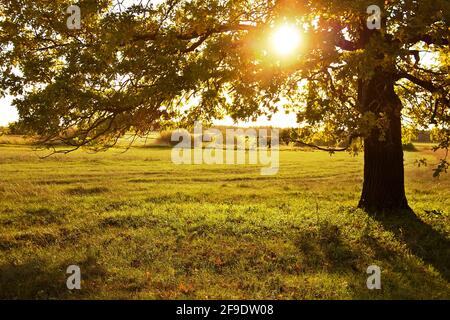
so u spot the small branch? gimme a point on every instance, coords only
(321, 148)
(328, 149)
(196, 44)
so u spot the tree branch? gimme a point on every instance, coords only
(197, 44)
(328, 149)
(346, 45)
(429, 40)
(195, 34)
(428, 85)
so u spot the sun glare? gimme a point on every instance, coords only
(286, 39)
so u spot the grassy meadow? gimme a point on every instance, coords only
(141, 227)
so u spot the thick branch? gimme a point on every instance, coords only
(428, 85)
(195, 34)
(429, 40)
(346, 45)
(334, 29)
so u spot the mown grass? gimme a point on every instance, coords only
(141, 227)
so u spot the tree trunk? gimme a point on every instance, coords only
(383, 187)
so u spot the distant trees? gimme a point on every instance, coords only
(18, 128)
(285, 134)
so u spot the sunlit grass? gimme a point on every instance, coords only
(141, 227)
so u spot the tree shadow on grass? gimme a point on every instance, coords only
(327, 250)
(39, 278)
(428, 244)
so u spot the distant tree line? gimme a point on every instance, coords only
(287, 135)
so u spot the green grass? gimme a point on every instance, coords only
(142, 228)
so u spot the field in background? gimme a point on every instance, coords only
(142, 227)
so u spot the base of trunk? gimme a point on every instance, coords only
(398, 206)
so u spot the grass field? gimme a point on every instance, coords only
(141, 227)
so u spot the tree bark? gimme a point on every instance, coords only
(383, 187)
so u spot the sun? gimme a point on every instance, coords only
(286, 40)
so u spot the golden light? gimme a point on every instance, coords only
(286, 40)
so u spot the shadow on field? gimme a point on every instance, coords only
(328, 249)
(83, 191)
(325, 249)
(42, 279)
(423, 241)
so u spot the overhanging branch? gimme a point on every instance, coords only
(194, 35)
(328, 149)
(429, 40)
(428, 85)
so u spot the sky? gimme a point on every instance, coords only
(8, 113)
